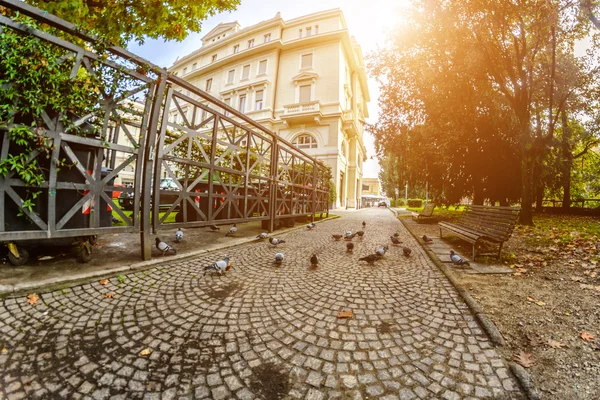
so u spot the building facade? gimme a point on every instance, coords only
(304, 79)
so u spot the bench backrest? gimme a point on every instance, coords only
(496, 222)
(428, 210)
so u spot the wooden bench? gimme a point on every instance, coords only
(484, 224)
(426, 213)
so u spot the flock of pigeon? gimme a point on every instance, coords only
(225, 264)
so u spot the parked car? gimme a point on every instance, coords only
(382, 203)
(166, 184)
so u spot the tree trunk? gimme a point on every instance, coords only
(478, 193)
(567, 161)
(527, 162)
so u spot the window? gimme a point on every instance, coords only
(242, 103)
(308, 31)
(236, 48)
(343, 148)
(300, 33)
(250, 43)
(214, 58)
(307, 60)
(305, 92)
(267, 38)
(228, 102)
(194, 66)
(262, 67)
(305, 142)
(246, 72)
(258, 100)
(208, 84)
(230, 76)
(316, 29)
(185, 71)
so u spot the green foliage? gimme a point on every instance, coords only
(121, 21)
(415, 203)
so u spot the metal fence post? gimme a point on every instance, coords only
(273, 184)
(147, 165)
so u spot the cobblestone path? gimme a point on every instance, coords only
(261, 331)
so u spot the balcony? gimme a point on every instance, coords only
(302, 112)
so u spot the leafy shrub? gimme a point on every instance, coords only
(415, 203)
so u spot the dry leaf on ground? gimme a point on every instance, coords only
(555, 344)
(4, 351)
(109, 295)
(345, 314)
(145, 352)
(524, 359)
(32, 298)
(103, 282)
(586, 336)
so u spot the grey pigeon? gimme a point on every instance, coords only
(275, 241)
(349, 247)
(337, 236)
(279, 258)
(165, 248)
(456, 259)
(348, 235)
(232, 230)
(360, 233)
(395, 240)
(219, 266)
(364, 224)
(370, 259)
(178, 235)
(311, 225)
(381, 251)
(406, 251)
(263, 235)
(396, 235)
(213, 227)
(427, 239)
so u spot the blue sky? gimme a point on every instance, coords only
(368, 21)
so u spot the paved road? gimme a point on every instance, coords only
(259, 332)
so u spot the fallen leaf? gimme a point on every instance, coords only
(555, 344)
(586, 336)
(577, 278)
(103, 282)
(32, 298)
(524, 359)
(109, 295)
(145, 352)
(4, 351)
(540, 303)
(345, 314)
(531, 299)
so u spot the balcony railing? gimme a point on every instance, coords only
(302, 108)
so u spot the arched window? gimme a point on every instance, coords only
(305, 142)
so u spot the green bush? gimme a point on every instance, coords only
(415, 203)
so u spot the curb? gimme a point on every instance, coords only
(62, 282)
(521, 375)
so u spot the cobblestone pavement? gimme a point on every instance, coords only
(260, 331)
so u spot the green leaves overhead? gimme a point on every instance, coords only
(121, 21)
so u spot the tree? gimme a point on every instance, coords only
(120, 21)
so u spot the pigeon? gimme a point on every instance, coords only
(213, 227)
(314, 261)
(349, 247)
(279, 258)
(232, 230)
(360, 233)
(178, 235)
(275, 241)
(337, 236)
(165, 248)
(370, 259)
(311, 225)
(381, 251)
(456, 259)
(262, 236)
(219, 266)
(406, 251)
(364, 224)
(427, 239)
(348, 235)
(395, 240)
(396, 235)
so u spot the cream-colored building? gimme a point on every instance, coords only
(304, 79)
(371, 186)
